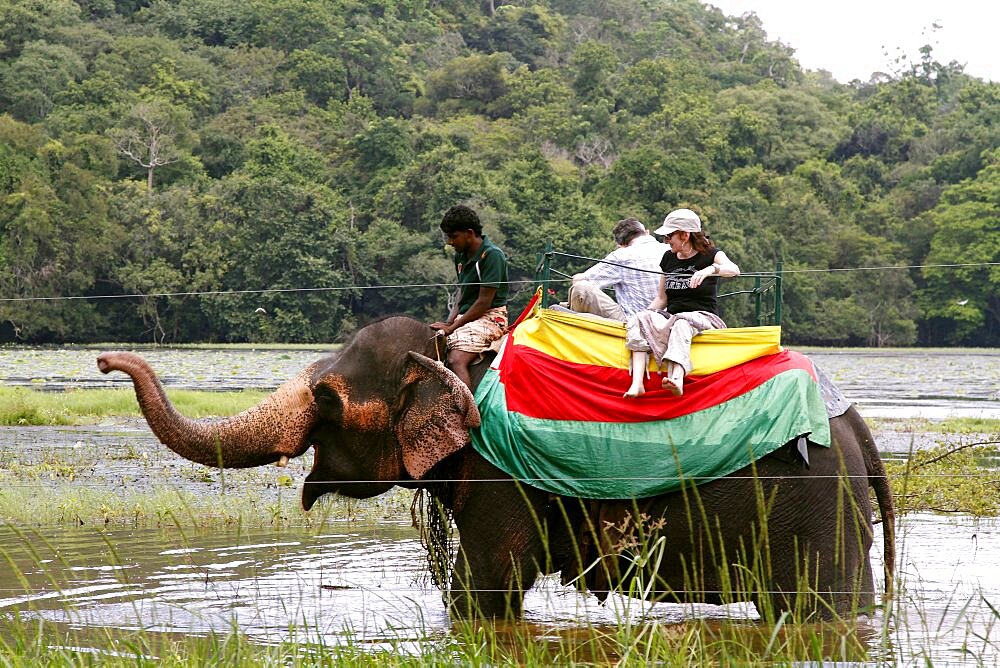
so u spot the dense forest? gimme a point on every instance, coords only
(275, 170)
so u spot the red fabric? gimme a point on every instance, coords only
(541, 386)
(527, 309)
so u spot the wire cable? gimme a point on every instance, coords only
(409, 483)
(400, 286)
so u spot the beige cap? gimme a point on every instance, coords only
(682, 220)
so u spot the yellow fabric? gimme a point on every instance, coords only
(583, 340)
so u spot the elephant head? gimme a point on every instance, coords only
(379, 413)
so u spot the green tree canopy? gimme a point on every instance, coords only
(305, 150)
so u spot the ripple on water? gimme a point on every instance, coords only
(370, 586)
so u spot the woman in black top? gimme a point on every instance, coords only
(686, 303)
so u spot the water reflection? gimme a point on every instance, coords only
(369, 585)
(263, 582)
(932, 384)
(950, 598)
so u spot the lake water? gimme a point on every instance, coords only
(366, 582)
(916, 383)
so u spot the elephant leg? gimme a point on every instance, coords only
(820, 587)
(501, 551)
(819, 563)
(486, 583)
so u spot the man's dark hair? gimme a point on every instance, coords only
(461, 217)
(627, 230)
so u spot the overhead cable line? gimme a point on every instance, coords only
(793, 271)
(196, 293)
(408, 483)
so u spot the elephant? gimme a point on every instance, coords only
(383, 412)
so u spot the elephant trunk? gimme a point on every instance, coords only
(272, 431)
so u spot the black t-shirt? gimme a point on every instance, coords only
(680, 297)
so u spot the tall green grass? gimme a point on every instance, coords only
(247, 502)
(25, 407)
(952, 425)
(29, 638)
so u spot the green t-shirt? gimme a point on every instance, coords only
(487, 267)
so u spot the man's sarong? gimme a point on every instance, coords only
(479, 335)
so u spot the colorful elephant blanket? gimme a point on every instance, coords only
(554, 416)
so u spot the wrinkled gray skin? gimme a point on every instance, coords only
(383, 413)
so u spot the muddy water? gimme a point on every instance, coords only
(367, 585)
(365, 580)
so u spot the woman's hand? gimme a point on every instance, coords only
(699, 276)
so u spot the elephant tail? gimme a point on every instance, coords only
(879, 482)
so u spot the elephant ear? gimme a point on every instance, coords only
(437, 411)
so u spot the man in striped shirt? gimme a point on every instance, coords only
(632, 269)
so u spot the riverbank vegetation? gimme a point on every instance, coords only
(639, 643)
(952, 477)
(220, 170)
(26, 407)
(44, 495)
(959, 474)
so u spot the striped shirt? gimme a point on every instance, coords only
(634, 290)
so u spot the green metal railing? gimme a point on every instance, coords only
(766, 290)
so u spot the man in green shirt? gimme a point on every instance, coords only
(479, 316)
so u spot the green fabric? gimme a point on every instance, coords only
(491, 272)
(611, 460)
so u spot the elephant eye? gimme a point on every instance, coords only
(328, 403)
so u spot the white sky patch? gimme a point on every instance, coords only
(851, 39)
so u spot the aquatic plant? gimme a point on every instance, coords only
(27, 407)
(951, 478)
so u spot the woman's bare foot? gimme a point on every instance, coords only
(676, 387)
(634, 392)
(637, 370)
